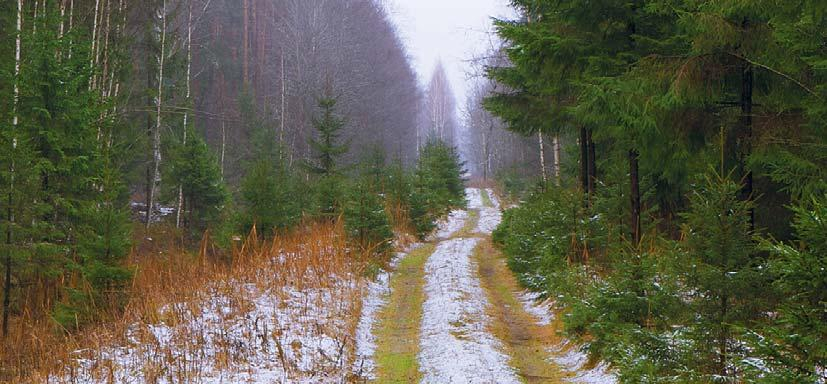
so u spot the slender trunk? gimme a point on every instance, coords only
(245, 41)
(584, 159)
(156, 130)
(10, 212)
(94, 57)
(62, 19)
(556, 145)
(71, 25)
(592, 163)
(223, 144)
(634, 181)
(542, 158)
(723, 336)
(747, 83)
(283, 103)
(186, 111)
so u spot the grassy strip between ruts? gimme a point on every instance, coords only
(525, 341)
(470, 224)
(486, 199)
(398, 332)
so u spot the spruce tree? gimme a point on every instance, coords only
(366, 220)
(721, 274)
(328, 149)
(794, 346)
(197, 171)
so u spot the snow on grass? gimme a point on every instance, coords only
(292, 335)
(490, 217)
(286, 317)
(494, 201)
(569, 357)
(472, 195)
(573, 360)
(450, 225)
(373, 302)
(541, 310)
(455, 344)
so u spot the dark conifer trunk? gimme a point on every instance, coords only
(592, 164)
(584, 159)
(747, 84)
(634, 179)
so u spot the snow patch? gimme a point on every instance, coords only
(455, 344)
(541, 310)
(451, 225)
(472, 195)
(490, 217)
(239, 333)
(573, 360)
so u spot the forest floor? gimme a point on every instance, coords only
(454, 313)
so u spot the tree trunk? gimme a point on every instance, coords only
(542, 158)
(283, 116)
(634, 181)
(186, 111)
(10, 210)
(155, 171)
(556, 145)
(245, 41)
(223, 144)
(747, 83)
(584, 159)
(592, 163)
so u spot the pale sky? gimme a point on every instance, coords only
(453, 31)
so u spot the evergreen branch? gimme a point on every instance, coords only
(777, 72)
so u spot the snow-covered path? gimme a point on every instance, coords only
(456, 346)
(456, 343)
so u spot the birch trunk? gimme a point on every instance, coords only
(186, 111)
(155, 181)
(542, 157)
(12, 170)
(556, 144)
(245, 49)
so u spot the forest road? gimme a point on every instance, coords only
(474, 324)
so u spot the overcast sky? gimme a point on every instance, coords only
(453, 31)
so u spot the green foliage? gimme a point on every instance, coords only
(437, 185)
(795, 345)
(327, 148)
(272, 197)
(197, 171)
(366, 220)
(64, 202)
(329, 191)
(723, 274)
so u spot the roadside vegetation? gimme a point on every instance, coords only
(683, 238)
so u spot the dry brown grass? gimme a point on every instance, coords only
(172, 286)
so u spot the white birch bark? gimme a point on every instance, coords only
(186, 111)
(156, 131)
(556, 145)
(542, 157)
